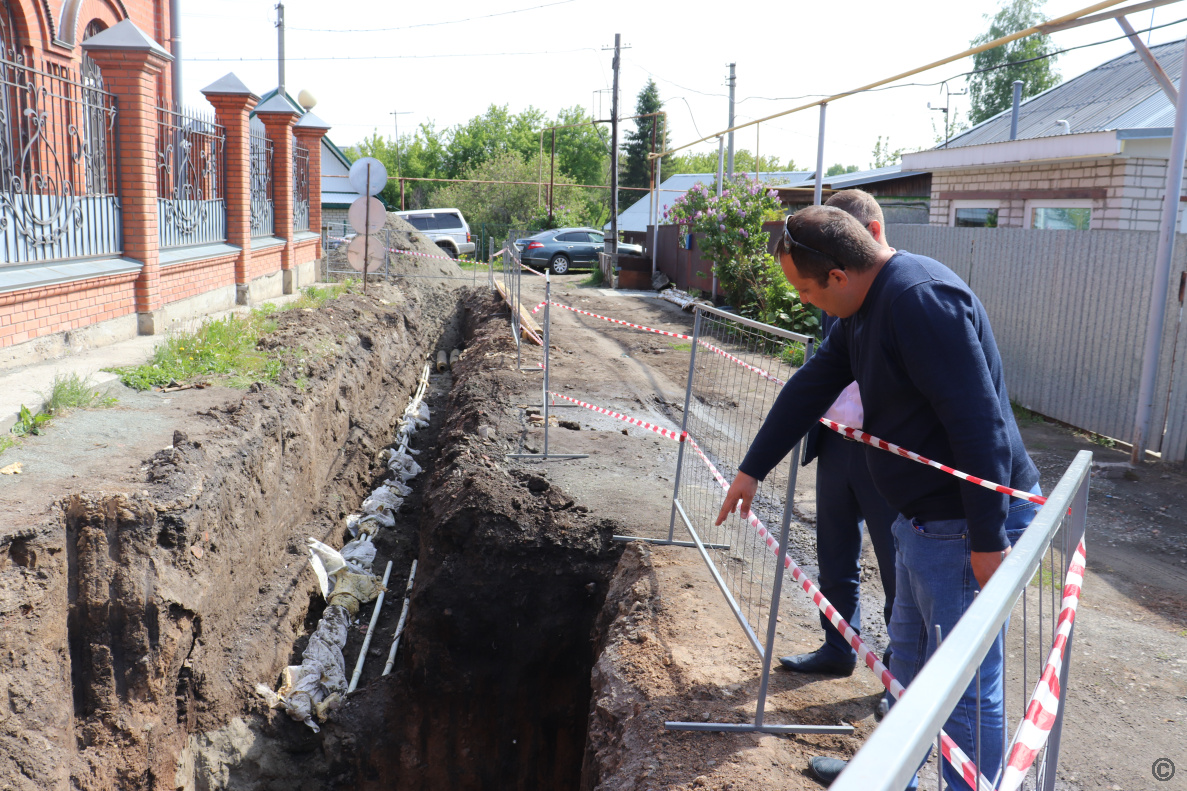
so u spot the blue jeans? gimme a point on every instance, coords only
(936, 586)
(846, 497)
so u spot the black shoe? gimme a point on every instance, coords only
(815, 663)
(826, 770)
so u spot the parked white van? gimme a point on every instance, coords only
(445, 228)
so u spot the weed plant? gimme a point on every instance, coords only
(65, 393)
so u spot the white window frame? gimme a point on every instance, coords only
(1058, 203)
(973, 204)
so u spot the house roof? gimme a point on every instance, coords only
(634, 217)
(1119, 94)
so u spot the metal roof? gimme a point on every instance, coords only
(634, 217)
(1118, 94)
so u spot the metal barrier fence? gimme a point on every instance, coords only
(58, 163)
(191, 165)
(735, 369)
(1033, 584)
(263, 217)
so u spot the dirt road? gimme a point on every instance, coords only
(1128, 689)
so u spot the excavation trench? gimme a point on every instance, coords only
(153, 614)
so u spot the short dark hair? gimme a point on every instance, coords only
(844, 243)
(859, 203)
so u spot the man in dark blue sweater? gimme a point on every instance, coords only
(919, 345)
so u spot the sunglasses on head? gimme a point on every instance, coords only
(789, 242)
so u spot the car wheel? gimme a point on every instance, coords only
(560, 264)
(449, 251)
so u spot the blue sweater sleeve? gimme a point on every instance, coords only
(807, 396)
(938, 336)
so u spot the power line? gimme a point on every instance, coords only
(431, 24)
(401, 57)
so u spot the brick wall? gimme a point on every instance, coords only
(1132, 190)
(32, 313)
(265, 262)
(182, 281)
(337, 219)
(305, 251)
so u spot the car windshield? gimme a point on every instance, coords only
(448, 221)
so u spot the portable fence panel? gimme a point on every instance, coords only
(1029, 609)
(735, 375)
(191, 165)
(58, 164)
(1174, 444)
(1069, 312)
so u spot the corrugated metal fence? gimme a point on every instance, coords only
(1069, 311)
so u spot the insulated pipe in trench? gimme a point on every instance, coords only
(391, 655)
(442, 361)
(358, 667)
(454, 356)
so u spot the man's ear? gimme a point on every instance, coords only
(838, 278)
(876, 230)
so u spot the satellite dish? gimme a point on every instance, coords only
(359, 220)
(360, 252)
(365, 183)
(306, 100)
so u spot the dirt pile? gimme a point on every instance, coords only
(430, 261)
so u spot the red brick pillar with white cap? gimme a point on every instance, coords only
(309, 131)
(131, 61)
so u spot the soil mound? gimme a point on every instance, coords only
(419, 256)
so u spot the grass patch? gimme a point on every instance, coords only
(1024, 415)
(224, 349)
(595, 278)
(316, 296)
(65, 393)
(1048, 578)
(6, 442)
(682, 347)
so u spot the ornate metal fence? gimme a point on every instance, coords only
(300, 186)
(262, 215)
(58, 167)
(190, 166)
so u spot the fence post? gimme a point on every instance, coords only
(279, 116)
(310, 130)
(131, 62)
(232, 103)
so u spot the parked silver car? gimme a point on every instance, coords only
(446, 228)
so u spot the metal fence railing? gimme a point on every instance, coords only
(58, 163)
(300, 186)
(262, 212)
(191, 164)
(735, 370)
(1033, 586)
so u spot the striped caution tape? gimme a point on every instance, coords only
(869, 439)
(743, 363)
(1044, 703)
(617, 321)
(634, 421)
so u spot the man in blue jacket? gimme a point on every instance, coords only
(918, 343)
(845, 497)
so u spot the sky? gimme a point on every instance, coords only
(447, 62)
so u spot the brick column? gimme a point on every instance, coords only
(232, 106)
(279, 116)
(131, 63)
(309, 131)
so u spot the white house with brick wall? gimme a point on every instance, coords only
(1089, 154)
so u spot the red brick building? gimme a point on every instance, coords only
(121, 213)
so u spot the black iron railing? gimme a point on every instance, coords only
(190, 172)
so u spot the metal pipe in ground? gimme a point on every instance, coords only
(391, 655)
(358, 667)
(442, 361)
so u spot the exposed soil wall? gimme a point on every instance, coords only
(130, 620)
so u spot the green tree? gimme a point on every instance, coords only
(582, 149)
(706, 162)
(884, 155)
(840, 170)
(648, 136)
(992, 91)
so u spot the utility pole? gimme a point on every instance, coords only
(280, 38)
(730, 161)
(612, 247)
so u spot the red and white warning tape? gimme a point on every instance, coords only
(1044, 703)
(617, 321)
(634, 421)
(743, 363)
(529, 269)
(869, 439)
